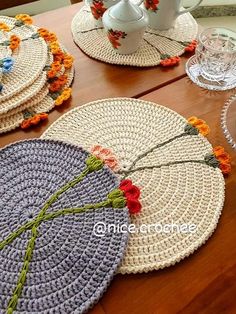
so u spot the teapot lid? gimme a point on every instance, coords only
(125, 11)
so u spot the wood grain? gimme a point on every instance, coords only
(94, 79)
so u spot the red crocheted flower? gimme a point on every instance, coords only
(132, 194)
(171, 61)
(191, 47)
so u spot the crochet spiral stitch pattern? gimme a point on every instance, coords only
(52, 194)
(157, 47)
(177, 183)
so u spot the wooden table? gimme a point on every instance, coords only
(206, 281)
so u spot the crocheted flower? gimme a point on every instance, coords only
(6, 64)
(55, 47)
(114, 36)
(219, 158)
(14, 42)
(106, 155)
(169, 61)
(191, 46)
(151, 5)
(4, 27)
(126, 195)
(31, 119)
(68, 61)
(65, 95)
(57, 83)
(200, 125)
(224, 159)
(97, 9)
(46, 35)
(23, 19)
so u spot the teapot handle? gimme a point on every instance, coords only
(189, 9)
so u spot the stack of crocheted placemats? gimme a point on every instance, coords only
(57, 264)
(25, 89)
(177, 186)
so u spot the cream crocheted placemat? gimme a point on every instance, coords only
(177, 186)
(28, 90)
(39, 103)
(30, 59)
(155, 45)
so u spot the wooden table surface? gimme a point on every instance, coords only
(206, 281)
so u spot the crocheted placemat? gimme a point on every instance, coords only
(42, 102)
(156, 46)
(52, 194)
(50, 88)
(29, 59)
(168, 161)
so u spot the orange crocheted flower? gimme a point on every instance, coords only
(65, 95)
(51, 74)
(55, 47)
(199, 124)
(33, 119)
(172, 61)
(105, 155)
(59, 56)
(68, 61)
(191, 47)
(55, 86)
(4, 27)
(25, 124)
(224, 159)
(25, 18)
(225, 168)
(14, 42)
(48, 36)
(43, 116)
(56, 66)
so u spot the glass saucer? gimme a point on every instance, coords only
(228, 120)
(193, 71)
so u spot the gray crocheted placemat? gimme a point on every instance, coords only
(56, 264)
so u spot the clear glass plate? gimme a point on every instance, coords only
(228, 120)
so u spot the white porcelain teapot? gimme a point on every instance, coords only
(163, 13)
(125, 23)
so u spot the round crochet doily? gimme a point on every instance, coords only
(94, 41)
(184, 192)
(70, 267)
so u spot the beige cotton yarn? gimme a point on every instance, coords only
(184, 193)
(26, 86)
(95, 43)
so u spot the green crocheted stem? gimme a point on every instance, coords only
(23, 274)
(51, 200)
(183, 43)
(128, 172)
(141, 156)
(93, 164)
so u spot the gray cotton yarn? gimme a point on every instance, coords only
(71, 267)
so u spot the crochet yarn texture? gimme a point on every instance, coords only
(52, 194)
(156, 46)
(178, 185)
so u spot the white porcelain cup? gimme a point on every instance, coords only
(163, 13)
